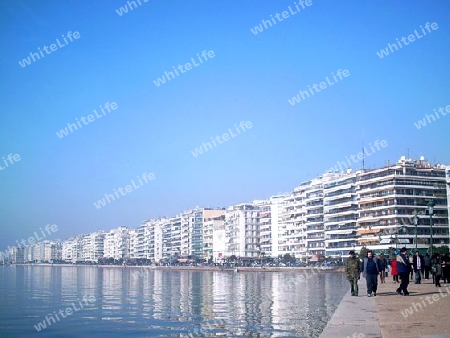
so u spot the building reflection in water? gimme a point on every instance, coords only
(185, 301)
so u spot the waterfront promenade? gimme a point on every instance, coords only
(422, 314)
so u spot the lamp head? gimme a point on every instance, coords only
(431, 205)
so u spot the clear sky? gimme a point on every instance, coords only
(154, 129)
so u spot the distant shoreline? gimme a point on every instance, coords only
(194, 268)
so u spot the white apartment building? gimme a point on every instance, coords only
(70, 250)
(52, 251)
(242, 231)
(340, 214)
(328, 215)
(116, 243)
(393, 204)
(209, 226)
(16, 255)
(315, 231)
(292, 226)
(133, 244)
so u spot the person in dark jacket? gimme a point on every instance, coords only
(427, 265)
(438, 271)
(383, 264)
(371, 268)
(403, 267)
(418, 265)
(446, 268)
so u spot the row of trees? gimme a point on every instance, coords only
(442, 250)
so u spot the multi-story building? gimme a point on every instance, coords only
(210, 247)
(116, 243)
(52, 251)
(292, 227)
(329, 215)
(315, 231)
(71, 250)
(392, 198)
(340, 214)
(16, 255)
(242, 231)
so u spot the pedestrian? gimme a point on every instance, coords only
(437, 270)
(371, 268)
(403, 267)
(446, 268)
(411, 260)
(353, 272)
(394, 271)
(418, 264)
(383, 265)
(427, 265)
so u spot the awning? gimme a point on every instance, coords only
(340, 232)
(367, 240)
(368, 231)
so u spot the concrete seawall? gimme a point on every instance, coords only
(195, 268)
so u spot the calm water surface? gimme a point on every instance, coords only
(162, 303)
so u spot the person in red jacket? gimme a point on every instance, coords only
(394, 271)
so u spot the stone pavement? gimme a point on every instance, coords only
(425, 313)
(355, 317)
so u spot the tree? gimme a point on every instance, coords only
(287, 258)
(441, 249)
(363, 252)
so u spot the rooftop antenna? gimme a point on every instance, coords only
(364, 157)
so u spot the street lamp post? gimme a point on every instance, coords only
(430, 212)
(415, 221)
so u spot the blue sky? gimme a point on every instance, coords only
(251, 78)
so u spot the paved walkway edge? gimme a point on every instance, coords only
(355, 317)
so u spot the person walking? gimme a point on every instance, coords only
(437, 270)
(370, 269)
(383, 265)
(403, 267)
(411, 260)
(418, 264)
(394, 271)
(353, 272)
(427, 265)
(446, 268)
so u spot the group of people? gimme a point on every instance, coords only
(401, 266)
